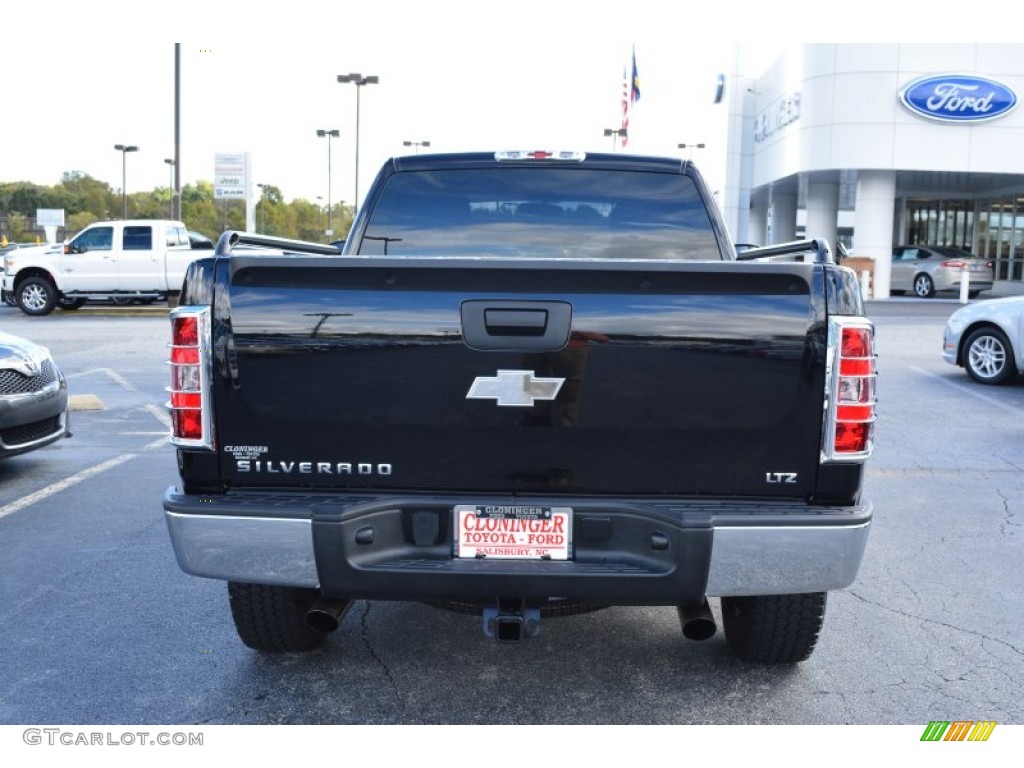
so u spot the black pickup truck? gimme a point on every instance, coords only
(530, 384)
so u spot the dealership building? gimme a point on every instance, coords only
(876, 145)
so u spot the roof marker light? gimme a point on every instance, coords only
(540, 154)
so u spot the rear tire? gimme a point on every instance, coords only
(272, 619)
(36, 296)
(773, 629)
(924, 287)
(988, 357)
(68, 304)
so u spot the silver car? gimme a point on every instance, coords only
(985, 340)
(33, 397)
(928, 269)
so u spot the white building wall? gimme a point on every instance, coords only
(851, 116)
(822, 211)
(851, 122)
(872, 228)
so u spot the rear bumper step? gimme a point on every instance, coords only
(624, 552)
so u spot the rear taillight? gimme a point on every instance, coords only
(191, 419)
(850, 410)
(954, 264)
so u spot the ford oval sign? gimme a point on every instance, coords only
(958, 98)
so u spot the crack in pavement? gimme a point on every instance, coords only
(364, 635)
(926, 620)
(1007, 514)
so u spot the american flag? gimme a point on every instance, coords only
(630, 96)
(634, 93)
(624, 131)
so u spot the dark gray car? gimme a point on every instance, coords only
(33, 397)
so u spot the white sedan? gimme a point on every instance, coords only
(985, 340)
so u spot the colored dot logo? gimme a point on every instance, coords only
(958, 730)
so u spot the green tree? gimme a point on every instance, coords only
(79, 192)
(85, 200)
(26, 199)
(270, 213)
(17, 228)
(76, 222)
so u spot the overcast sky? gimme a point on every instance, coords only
(82, 77)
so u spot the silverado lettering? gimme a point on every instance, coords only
(646, 374)
(309, 467)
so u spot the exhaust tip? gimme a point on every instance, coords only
(699, 629)
(326, 613)
(697, 621)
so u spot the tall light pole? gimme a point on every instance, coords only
(124, 149)
(615, 133)
(176, 176)
(170, 162)
(335, 133)
(691, 147)
(416, 144)
(263, 207)
(360, 81)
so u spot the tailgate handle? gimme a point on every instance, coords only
(508, 324)
(515, 322)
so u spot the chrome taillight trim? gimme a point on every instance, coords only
(829, 455)
(202, 315)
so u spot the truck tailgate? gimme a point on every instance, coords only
(538, 377)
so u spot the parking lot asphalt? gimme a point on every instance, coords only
(102, 626)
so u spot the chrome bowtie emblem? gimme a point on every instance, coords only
(27, 366)
(516, 388)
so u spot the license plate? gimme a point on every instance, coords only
(513, 532)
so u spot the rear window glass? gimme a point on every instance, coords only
(540, 213)
(138, 238)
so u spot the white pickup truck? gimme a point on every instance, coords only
(124, 261)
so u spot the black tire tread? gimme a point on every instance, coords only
(931, 287)
(70, 304)
(1009, 371)
(272, 619)
(773, 629)
(51, 302)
